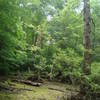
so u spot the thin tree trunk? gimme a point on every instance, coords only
(86, 41)
(39, 38)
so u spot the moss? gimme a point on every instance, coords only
(38, 93)
(7, 96)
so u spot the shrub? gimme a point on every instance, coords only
(4, 69)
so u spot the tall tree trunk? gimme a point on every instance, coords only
(86, 41)
(84, 88)
(38, 43)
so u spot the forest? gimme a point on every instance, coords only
(49, 49)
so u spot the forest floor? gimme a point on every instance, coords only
(47, 91)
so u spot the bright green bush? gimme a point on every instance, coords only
(95, 76)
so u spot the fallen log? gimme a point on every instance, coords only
(35, 79)
(56, 89)
(24, 89)
(28, 82)
(63, 90)
(10, 88)
(74, 90)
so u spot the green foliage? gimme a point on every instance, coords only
(67, 63)
(4, 69)
(95, 76)
(61, 45)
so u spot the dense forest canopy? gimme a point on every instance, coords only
(45, 37)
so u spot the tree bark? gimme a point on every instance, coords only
(39, 38)
(28, 82)
(86, 40)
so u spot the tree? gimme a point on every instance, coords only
(86, 41)
(9, 23)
